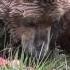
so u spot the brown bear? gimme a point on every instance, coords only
(28, 23)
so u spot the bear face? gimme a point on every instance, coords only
(29, 34)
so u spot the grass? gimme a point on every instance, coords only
(26, 62)
(29, 63)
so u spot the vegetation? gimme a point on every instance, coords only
(22, 61)
(28, 63)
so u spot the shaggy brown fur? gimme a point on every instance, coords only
(64, 38)
(28, 21)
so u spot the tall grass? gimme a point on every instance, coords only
(27, 62)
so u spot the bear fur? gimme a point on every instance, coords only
(64, 38)
(28, 23)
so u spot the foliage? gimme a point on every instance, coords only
(60, 63)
